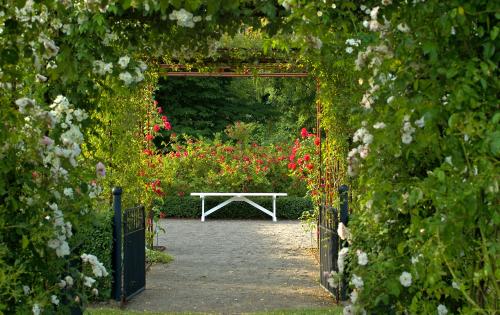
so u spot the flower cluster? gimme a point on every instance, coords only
(407, 130)
(185, 18)
(62, 231)
(134, 75)
(98, 268)
(351, 43)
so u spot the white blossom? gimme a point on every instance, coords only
(126, 77)
(353, 296)
(357, 281)
(349, 50)
(23, 102)
(319, 13)
(26, 289)
(54, 300)
(332, 279)
(390, 99)
(341, 259)
(405, 279)
(123, 61)
(69, 280)
(36, 309)
(348, 310)
(386, 2)
(343, 231)
(374, 13)
(455, 285)
(100, 169)
(406, 138)
(184, 18)
(379, 125)
(363, 151)
(403, 27)
(448, 160)
(40, 78)
(68, 192)
(95, 291)
(362, 258)
(442, 310)
(62, 284)
(420, 123)
(97, 267)
(353, 42)
(88, 281)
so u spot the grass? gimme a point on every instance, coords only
(154, 256)
(110, 311)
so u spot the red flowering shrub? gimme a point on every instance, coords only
(304, 161)
(225, 167)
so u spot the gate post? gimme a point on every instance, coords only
(344, 218)
(117, 244)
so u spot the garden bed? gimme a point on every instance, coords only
(290, 208)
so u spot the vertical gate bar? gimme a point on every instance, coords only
(344, 218)
(117, 243)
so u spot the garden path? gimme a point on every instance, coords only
(233, 266)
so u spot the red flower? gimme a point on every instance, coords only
(292, 157)
(167, 125)
(307, 157)
(292, 166)
(160, 110)
(164, 118)
(181, 193)
(310, 166)
(177, 154)
(149, 137)
(317, 141)
(299, 161)
(142, 173)
(148, 152)
(304, 133)
(155, 102)
(156, 128)
(185, 153)
(163, 215)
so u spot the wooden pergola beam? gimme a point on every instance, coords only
(234, 74)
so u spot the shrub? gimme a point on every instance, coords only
(190, 207)
(97, 238)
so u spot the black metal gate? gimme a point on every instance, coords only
(330, 244)
(134, 251)
(129, 257)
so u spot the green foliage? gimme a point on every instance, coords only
(201, 107)
(289, 208)
(97, 238)
(157, 257)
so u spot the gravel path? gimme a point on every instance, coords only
(231, 267)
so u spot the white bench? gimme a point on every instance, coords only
(238, 197)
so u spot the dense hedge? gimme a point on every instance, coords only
(190, 207)
(97, 239)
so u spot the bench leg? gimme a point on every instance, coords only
(202, 209)
(274, 208)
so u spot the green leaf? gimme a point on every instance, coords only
(9, 55)
(494, 32)
(25, 242)
(430, 48)
(495, 143)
